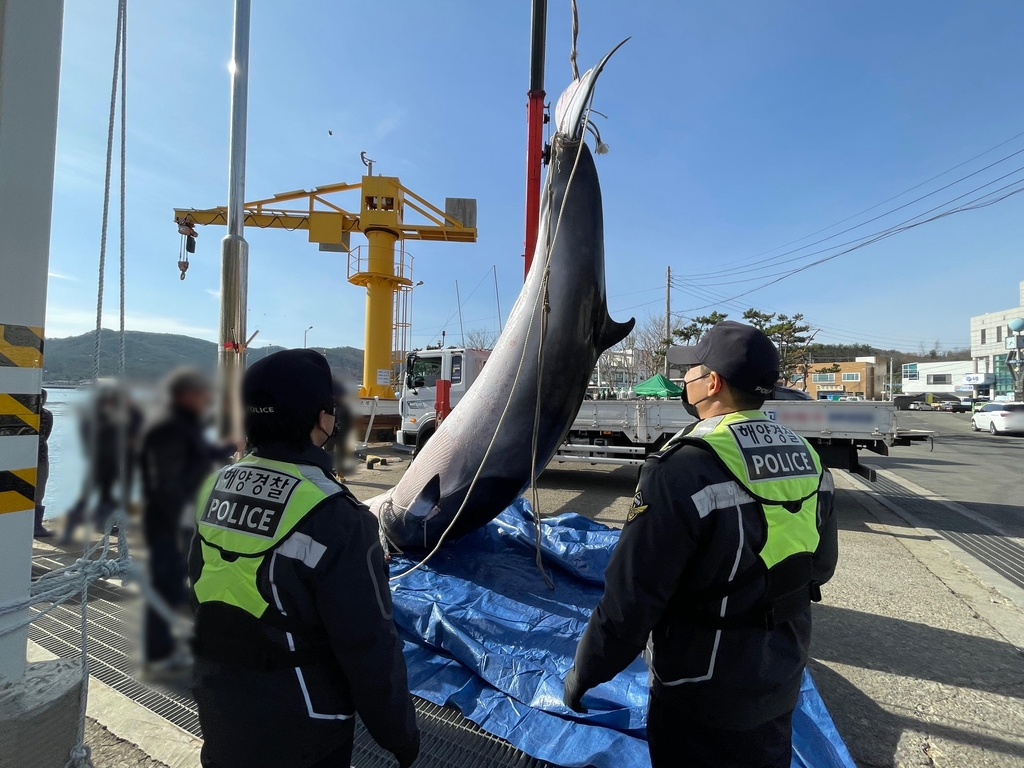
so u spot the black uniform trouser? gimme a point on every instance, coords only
(167, 575)
(253, 719)
(339, 758)
(676, 740)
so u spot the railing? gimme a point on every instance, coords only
(359, 261)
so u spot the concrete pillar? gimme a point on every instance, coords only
(38, 704)
(39, 715)
(30, 42)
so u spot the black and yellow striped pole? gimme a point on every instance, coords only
(30, 46)
(21, 346)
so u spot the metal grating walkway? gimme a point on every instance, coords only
(113, 619)
(1003, 555)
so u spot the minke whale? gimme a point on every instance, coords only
(489, 434)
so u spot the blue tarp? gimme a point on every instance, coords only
(482, 632)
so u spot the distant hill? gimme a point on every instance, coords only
(150, 356)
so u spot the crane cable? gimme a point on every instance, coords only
(541, 293)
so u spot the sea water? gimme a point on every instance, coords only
(67, 460)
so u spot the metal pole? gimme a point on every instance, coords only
(668, 315)
(534, 128)
(234, 251)
(497, 301)
(304, 334)
(459, 302)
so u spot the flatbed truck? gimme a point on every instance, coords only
(625, 432)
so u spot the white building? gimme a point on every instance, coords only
(990, 377)
(943, 377)
(615, 369)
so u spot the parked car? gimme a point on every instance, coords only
(999, 418)
(978, 405)
(954, 406)
(919, 405)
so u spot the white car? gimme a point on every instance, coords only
(920, 405)
(998, 418)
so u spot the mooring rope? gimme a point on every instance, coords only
(575, 37)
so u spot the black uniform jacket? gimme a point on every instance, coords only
(328, 583)
(175, 457)
(689, 528)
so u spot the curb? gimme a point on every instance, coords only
(992, 597)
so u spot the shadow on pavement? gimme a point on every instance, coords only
(935, 515)
(916, 651)
(873, 734)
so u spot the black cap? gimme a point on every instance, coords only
(291, 382)
(741, 354)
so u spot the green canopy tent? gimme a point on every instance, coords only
(657, 386)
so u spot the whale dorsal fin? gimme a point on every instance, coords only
(611, 332)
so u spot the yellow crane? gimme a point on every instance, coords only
(384, 268)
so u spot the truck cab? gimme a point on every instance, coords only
(423, 370)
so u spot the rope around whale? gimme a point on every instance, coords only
(515, 382)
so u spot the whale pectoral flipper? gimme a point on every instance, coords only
(426, 503)
(612, 332)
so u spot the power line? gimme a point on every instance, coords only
(863, 237)
(852, 334)
(747, 263)
(975, 204)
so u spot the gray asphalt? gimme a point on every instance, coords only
(981, 471)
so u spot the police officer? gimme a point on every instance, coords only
(293, 629)
(728, 539)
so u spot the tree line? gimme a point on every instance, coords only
(642, 353)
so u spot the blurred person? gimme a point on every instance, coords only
(338, 443)
(110, 411)
(293, 627)
(174, 459)
(43, 465)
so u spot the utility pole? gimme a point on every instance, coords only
(234, 251)
(305, 333)
(458, 300)
(668, 314)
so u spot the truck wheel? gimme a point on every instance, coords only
(422, 441)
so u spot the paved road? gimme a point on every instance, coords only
(981, 471)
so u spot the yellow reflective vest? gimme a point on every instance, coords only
(243, 512)
(782, 472)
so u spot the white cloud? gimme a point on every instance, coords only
(59, 276)
(65, 321)
(215, 294)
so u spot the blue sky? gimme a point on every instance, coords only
(734, 129)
